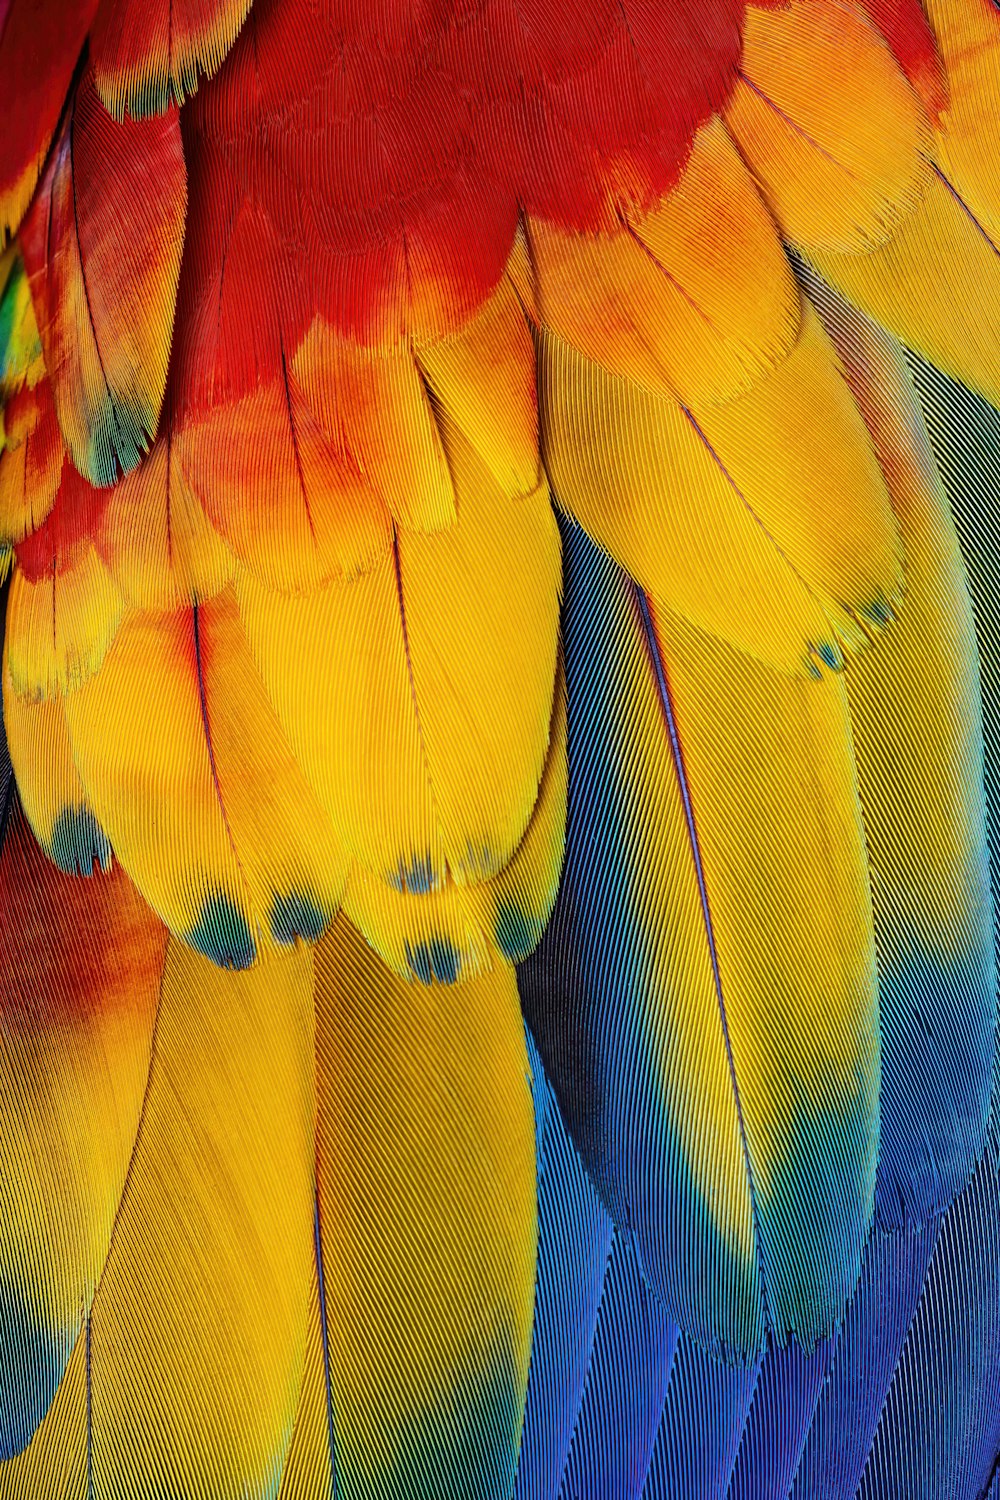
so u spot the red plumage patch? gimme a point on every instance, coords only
(40, 42)
(102, 249)
(71, 947)
(905, 28)
(368, 163)
(73, 521)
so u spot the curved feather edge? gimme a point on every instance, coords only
(623, 999)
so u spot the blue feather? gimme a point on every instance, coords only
(574, 1241)
(629, 1372)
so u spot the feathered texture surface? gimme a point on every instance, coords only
(499, 771)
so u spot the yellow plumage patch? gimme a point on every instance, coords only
(427, 1222)
(455, 931)
(484, 380)
(684, 313)
(918, 283)
(239, 854)
(199, 1326)
(968, 37)
(60, 625)
(48, 783)
(840, 165)
(416, 699)
(781, 537)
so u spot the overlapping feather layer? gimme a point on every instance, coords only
(316, 317)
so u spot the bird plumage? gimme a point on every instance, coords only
(500, 710)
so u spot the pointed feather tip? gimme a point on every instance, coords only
(436, 961)
(518, 932)
(297, 915)
(223, 934)
(32, 1358)
(120, 434)
(78, 843)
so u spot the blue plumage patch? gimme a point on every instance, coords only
(437, 961)
(31, 1366)
(296, 915)
(79, 842)
(222, 934)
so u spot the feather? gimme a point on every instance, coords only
(630, 1367)
(20, 346)
(240, 856)
(149, 56)
(381, 404)
(427, 1228)
(917, 731)
(79, 981)
(62, 614)
(102, 248)
(574, 1242)
(159, 545)
(708, 1135)
(740, 480)
(916, 285)
(655, 301)
(424, 723)
(64, 606)
(455, 931)
(905, 27)
(968, 36)
(289, 474)
(483, 380)
(199, 1324)
(49, 786)
(840, 167)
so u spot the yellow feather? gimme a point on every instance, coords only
(48, 783)
(59, 628)
(376, 404)
(80, 969)
(426, 1160)
(685, 314)
(457, 931)
(774, 817)
(238, 853)
(484, 380)
(198, 1329)
(916, 723)
(841, 164)
(416, 700)
(780, 534)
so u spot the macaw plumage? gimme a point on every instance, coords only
(498, 763)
